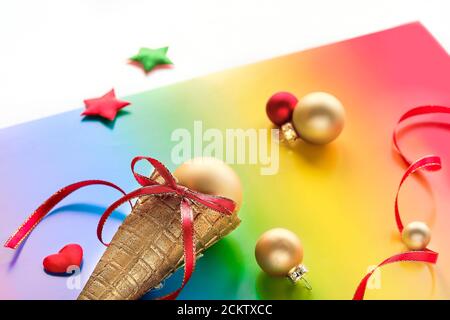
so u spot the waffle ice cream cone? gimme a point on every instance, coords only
(148, 247)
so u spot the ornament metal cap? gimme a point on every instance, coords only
(297, 273)
(288, 132)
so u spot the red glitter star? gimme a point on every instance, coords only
(105, 106)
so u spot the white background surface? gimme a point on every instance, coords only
(55, 53)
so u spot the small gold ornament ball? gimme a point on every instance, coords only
(211, 176)
(319, 118)
(277, 251)
(416, 235)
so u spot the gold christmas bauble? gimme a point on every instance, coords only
(416, 235)
(278, 251)
(318, 118)
(210, 176)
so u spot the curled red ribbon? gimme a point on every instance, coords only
(420, 256)
(429, 163)
(415, 112)
(148, 187)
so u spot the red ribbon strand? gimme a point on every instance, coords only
(420, 256)
(33, 220)
(428, 163)
(415, 112)
(148, 187)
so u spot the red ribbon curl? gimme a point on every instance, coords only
(429, 163)
(148, 187)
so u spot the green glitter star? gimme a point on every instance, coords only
(150, 58)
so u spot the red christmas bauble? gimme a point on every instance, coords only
(280, 106)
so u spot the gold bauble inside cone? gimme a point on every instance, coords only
(416, 235)
(277, 251)
(318, 118)
(211, 176)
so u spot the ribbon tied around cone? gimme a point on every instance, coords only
(148, 187)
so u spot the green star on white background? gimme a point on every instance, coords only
(150, 58)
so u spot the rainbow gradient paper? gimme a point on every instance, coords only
(338, 198)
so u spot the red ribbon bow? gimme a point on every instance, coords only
(148, 187)
(429, 163)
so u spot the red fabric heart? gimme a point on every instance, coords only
(70, 255)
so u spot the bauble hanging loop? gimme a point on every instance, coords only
(317, 118)
(279, 253)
